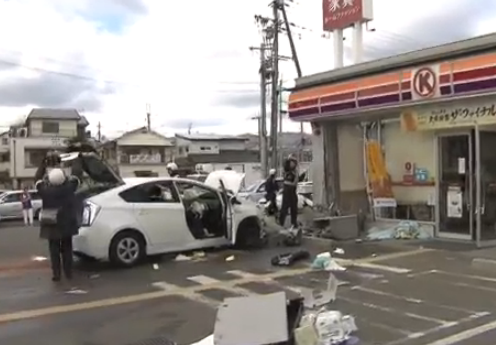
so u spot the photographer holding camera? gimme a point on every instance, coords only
(59, 217)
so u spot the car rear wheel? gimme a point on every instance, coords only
(127, 248)
(250, 234)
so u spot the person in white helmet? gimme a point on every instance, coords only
(271, 189)
(172, 169)
(61, 213)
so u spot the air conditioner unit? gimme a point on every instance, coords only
(22, 132)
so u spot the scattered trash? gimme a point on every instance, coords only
(289, 259)
(230, 258)
(404, 230)
(338, 251)
(182, 257)
(39, 258)
(292, 236)
(198, 255)
(76, 291)
(316, 298)
(324, 261)
(155, 266)
(94, 276)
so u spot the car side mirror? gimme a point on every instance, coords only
(234, 201)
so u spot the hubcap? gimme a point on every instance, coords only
(128, 250)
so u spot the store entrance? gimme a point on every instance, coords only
(486, 187)
(456, 193)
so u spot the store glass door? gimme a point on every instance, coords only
(456, 190)
(486, 187)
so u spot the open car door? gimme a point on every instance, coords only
(229, 183)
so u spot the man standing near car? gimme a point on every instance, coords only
(59, 218)
(27, 207)
(289, 194)
(271, 189)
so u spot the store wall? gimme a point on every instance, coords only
(417, 148)
(351, 168)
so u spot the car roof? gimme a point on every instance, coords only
(134, 181)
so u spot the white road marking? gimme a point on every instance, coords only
(165, 286)
(242, 274)
(469, 333)
(204, 280)
(382, 267)
(438, 328)
(415, 300)
(469, 276)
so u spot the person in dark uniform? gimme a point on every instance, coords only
(289, 194)
(173, 169)
(271, 189)
(59, 219)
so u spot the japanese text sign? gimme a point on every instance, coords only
(340, 14)
(449, 117)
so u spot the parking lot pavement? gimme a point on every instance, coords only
(420, 297)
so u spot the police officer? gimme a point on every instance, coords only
(60, 215)
(289, 195)
(271, 189)
(173, 169)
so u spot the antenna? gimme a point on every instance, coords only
(148, 117)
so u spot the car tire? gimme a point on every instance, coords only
(250, 234)
(127, 248)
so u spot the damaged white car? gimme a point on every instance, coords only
(126, 220)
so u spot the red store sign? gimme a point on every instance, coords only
(340, 14)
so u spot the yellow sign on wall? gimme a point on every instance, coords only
(449, 117)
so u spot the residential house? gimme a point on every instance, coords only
(139, 153)
(192, 149)
(43, 130)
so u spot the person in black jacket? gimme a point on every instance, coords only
(59, 218)
(271, 189)
(289, 194)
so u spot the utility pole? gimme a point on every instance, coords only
(262, 119)
(99, 131)
(280, 155)
(148, 117)
(274, 109)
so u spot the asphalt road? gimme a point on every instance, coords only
(398, 295)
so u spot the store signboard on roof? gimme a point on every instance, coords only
(340, 14)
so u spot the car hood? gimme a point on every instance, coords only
(231, 179)
(94, 166)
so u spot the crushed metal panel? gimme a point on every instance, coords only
(254, 320)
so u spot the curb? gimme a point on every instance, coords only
(484, 264)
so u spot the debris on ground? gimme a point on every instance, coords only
(155, 266)
(76, 291)
(289, 259)
(182, 257)
(291, 237)
(404, 230)
(273, 318)
(94, 276)
(230, 258)
(39, 258)
(325, 261)
(338, 251)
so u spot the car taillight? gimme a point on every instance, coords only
(90, 212)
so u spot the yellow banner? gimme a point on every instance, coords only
(449, 117)
(379, 179)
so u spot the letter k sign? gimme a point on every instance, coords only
(424, 83)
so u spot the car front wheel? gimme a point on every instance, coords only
(127, 248)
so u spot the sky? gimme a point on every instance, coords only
(189, 60)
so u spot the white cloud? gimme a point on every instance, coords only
(183, 57)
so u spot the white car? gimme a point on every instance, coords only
(123, 221)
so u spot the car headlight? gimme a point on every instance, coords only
(90, 212)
